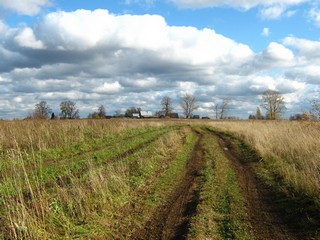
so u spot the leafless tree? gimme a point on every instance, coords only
(166, 105)
(188, 104)
(224, 107)
(274, 103)
(101, 113)
(42, 110)
(216, 110)
(69, 110)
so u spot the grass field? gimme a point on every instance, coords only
(107, 179)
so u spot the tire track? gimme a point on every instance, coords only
(172, 219)
(265, 218)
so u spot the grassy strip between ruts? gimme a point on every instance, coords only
(221, 212)
(94, 205)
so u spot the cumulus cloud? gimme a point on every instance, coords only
(307, 49)
(308, 74)
(279, 53)
(95, 57)
(108, 88)
(24, 7)
(27, 39)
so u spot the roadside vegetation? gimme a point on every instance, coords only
(288, 162)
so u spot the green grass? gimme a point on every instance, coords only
(57, 202)
(221, 213)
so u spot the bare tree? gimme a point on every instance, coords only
(216, 110)
(69, 110)
(273, 102)
(224, 107)
(188, 104)
(42, 110)
(101, 113)
(166, 105)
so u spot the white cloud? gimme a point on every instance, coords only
(108, 88)
(275, 56)
(24, 7)
(244, 4)
(145, 83)
(308, 49)
(265, 32)
(271, 9)
(314, 15)
(273, 12)
(278, 52)
(93, 56)
(82, 29)
(308, 74)
(27, 39)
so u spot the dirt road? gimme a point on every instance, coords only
(172, 220)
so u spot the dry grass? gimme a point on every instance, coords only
(290, 151)
(90, 204)
(42, 135)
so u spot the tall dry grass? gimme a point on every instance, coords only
(87, 205)
(290, 151)
(43, 134)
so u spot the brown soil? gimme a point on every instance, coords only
(266, 217)
(172, 219)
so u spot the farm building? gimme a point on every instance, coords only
(146, 114)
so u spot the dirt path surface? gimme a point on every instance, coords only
(265, 215)
(171, 220)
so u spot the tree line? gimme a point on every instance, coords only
(272, 101)
(68, 110)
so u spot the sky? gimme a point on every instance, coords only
(132, 53)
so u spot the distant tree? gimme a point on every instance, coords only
(252, 117)
(131, 110)
(42, 110)
(166, 105)
(118, 114)
(295, 117)
(258, 115)
(274, 103)
(69, 110)
(188, 104)
(102, 111)
(224, 107)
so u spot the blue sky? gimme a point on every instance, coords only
(133, 52)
